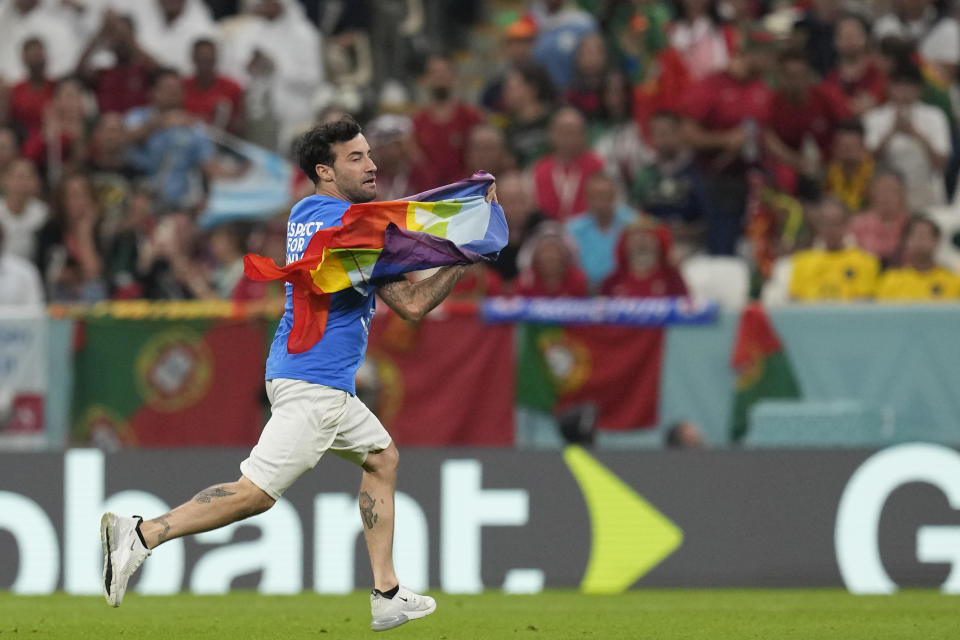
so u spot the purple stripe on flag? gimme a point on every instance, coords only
(405, 251)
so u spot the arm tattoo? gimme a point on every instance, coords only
(366, 509)
(415, 300)
(205, 496)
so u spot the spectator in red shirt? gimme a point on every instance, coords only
(585, 91)
(857, 76)
(559, 177)
(802, 112)
(60, 145)
(441, 128)
(548, 266)
(725, 114)
(29, 98)
(643, 265)
(212, 96)
(126, 84)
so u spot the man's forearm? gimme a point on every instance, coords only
(414, 300)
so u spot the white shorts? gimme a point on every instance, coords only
(307, 419)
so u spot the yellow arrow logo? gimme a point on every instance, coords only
(630, 537)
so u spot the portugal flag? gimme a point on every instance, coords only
(162, 383)
(616, 369)
(762, 367)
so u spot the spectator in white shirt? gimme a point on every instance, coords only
(47, 20)
(22, 215)
(936, 33)
(167, 29)
(911, 137)
(20, 283)
(278, 48)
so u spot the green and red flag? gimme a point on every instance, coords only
(164, 383)
(616, 369)
(762, 367)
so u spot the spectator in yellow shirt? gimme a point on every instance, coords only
(920, 279)
(835, 269)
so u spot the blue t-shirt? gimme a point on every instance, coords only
(334, 360)
(598, 247)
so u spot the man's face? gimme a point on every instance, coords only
(484, 149)
(643, 251)
(886, 193)
(592, 55)
(391, 153)
(168, 92)
(568, 133)
(439, 78)
(120, 37)
(35, 57)
(8, 147)
(794, 77)
(550, 259)
(516, 92)
(205, 57)
(664, 136)
(848, 147)
(831, 224)
(601, 197)
(172, 8)
(353, 171)
(920, 243)
(26, 6)
(110, 133)
(516, 200)
(21, 179)
(850, 38)
(518, 50)
(270, 9)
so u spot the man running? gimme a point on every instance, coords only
(312, 397)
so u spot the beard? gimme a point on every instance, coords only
(358, 193)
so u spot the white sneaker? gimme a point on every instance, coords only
(393, 612)
(123, 553)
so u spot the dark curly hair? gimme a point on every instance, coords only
(316, 145)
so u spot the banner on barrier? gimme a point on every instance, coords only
(157, 383)
(614, 370)
(874, 521)
(631, 312)
(23, 379)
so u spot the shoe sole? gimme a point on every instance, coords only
(385, 624)
(107, 542)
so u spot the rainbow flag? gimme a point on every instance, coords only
(376, 241)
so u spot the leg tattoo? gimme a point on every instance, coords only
(162, 521)
(366, 509)
(205, 496)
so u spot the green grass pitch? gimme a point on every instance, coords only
(554, 615)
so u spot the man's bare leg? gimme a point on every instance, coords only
(212, 508)
(376, 510)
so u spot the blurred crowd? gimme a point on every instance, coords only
(798, 151)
